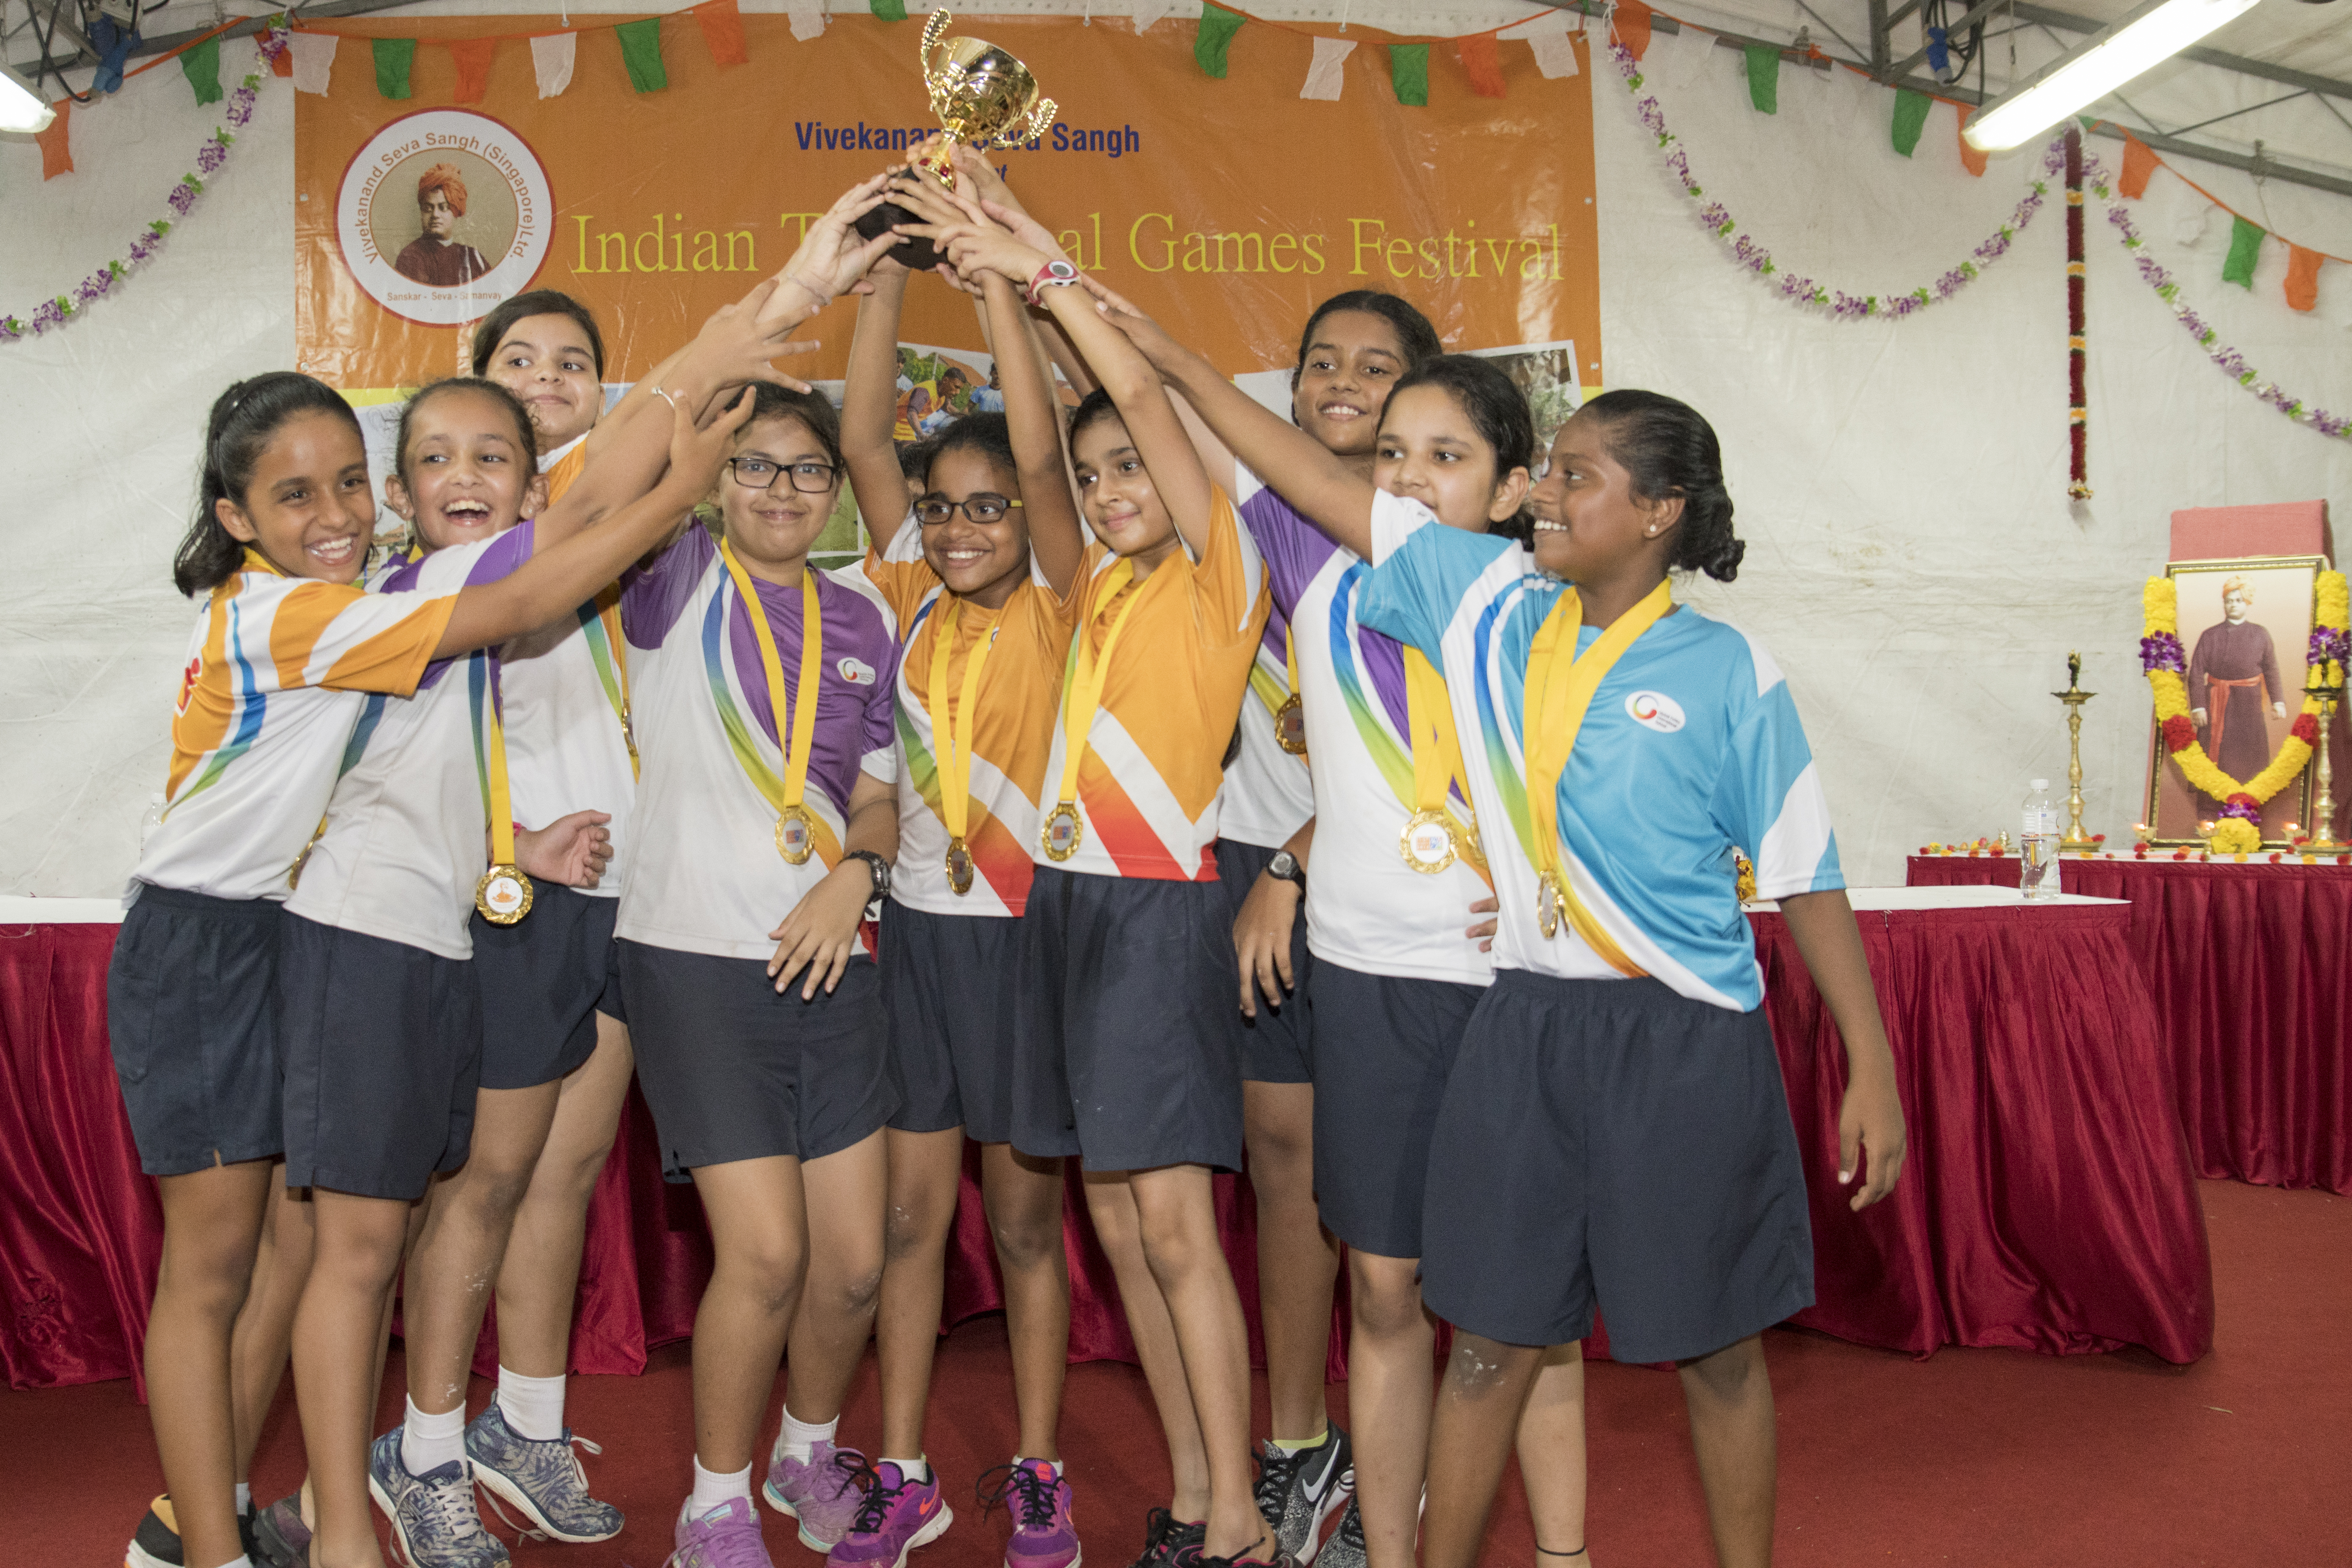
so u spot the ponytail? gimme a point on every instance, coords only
(243, 422)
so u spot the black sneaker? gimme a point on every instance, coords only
(1266, 1553)
(1298, 1489)
(280, 1539)
(1164, 1538)
(1346, 1547)
(156, 1543)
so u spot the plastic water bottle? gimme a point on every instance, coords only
(2037, 844)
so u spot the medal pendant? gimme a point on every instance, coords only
(1547, 906)
(503, 895)
(1290, 725)
(959, 868)
(1063, 832)
(796, 834)
(1427, 842)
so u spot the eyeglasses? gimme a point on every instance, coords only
(981, 508)
(759, 474)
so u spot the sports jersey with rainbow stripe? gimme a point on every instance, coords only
(1691, 747)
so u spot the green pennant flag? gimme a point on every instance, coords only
(392, 58)
(1216, 35)
(1910, 118)
(1409, 70)
(2245, 246)
(201, 66)
(890, 10)
(641, 52)
(1764, 78)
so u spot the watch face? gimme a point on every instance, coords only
(1284, 865)
(1061, 269)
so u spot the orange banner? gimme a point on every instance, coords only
(1225, 209)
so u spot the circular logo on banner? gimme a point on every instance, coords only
(442, 215)
(1655, 710)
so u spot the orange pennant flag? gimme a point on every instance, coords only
(2301, 277)
(722, 29)
(1970, 159)
(1633, 24)
(473, 58)
(57, 156)
(1483, 64)
(2139, 162)
(282, 63)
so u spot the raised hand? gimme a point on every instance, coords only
(698, 446)
(737, 344)
(832, 255)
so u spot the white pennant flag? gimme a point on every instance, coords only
(314, 61)
(808, 19)
(551, 61)
(1147, 12)
(1323, 74)
(1555, 54)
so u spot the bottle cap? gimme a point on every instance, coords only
(2038, 783)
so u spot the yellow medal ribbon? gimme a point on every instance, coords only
(503, 895)
(1559, 689)
(1433, 835)
(1290, 719)
(615, 639)
(952, 737)
(1080, 699)
(795, 824)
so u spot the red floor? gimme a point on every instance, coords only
(1971, 1456)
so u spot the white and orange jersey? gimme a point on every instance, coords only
(1011, 732)
(1148, 785)
(279, 670)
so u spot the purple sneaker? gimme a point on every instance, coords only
(1044, 1528)
(726, 1537)
(824, 1494)
(897, 1516)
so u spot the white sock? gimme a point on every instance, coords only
(799, 1438)
(917, 1470)
(239, 1561)
(712, 1490)
(533, 1406)
(245, 1497)
(428, 1442)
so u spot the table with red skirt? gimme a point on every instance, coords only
(2048, 1203)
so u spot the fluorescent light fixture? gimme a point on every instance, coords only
(21, 109)
(2097, 66)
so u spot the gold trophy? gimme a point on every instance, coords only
(2076, 841)
(985, 99)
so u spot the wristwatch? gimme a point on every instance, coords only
(1053, 275)
(875, 864)
(1284, 868)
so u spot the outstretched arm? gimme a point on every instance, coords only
(1034, 415)
(869, 404)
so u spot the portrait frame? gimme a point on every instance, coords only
(2283, 588)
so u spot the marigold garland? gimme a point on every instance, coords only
(2239, 832)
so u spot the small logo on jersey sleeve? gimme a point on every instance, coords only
(1655, 711)
(188, 681)
(855, 671)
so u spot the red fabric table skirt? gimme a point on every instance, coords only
(2047, 1205)
(2246, 965)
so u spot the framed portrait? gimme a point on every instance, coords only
(2245, 625)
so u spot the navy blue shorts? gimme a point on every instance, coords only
(384, 1053)
(1122, 1054)
(947, 986)
(1390, 1045)
(733, 1069)
(192, 1015)
(1278, 1044)
(1611, 1142)
(543, 980)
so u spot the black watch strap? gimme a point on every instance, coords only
(1284, 868)
(878, 867)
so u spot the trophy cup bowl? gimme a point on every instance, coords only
(984, 98)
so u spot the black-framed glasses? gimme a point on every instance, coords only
(981, 508)
(759, 474)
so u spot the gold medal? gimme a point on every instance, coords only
(1081, 695)
(1547, 906)
(796, 834)
(294, 872)
(958, 866)
(951, 734)
(1428, 842)
(503, 895)
(1290, 725)
(1063, 831)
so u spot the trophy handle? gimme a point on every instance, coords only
(931, 31)
(1034, 125)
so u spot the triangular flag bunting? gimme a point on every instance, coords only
(1970, 159)
(473, 56)
(394, 57)
(1216, 36)
(1409, 70)
(641, 52)
(56, 152)
(313, 55)
(808, 19)
(2139, 162)
(1555, 53)
(1631, 21)
(1483, 64)
(551, 60)
(201, 65)
(1147, 12)
(2301, 277)
(2245, 246)
(1764, 78)
(282, 62)
(1910, 118)
(1323, 75)
(890, 10)
(722, 29)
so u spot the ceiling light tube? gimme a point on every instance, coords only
(21, 109)
(2095, 68)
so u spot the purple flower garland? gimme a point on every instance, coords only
(2161, 650)
(210, 157)
(1842, 306)
(2231, 362)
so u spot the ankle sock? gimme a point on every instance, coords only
(799, 1438)
(244, 1497)
(239, 1561)
(712, 1490)
(533, 1406)
(1296, 1445)
(917, 1470)
(428, 1442)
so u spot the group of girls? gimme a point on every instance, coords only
(409, 927)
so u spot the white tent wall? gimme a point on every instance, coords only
(1912, 560)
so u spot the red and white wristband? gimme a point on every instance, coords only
(1053, 275)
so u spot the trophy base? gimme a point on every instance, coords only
(917, 254)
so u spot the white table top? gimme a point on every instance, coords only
(22, 911)
(1874, 900)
